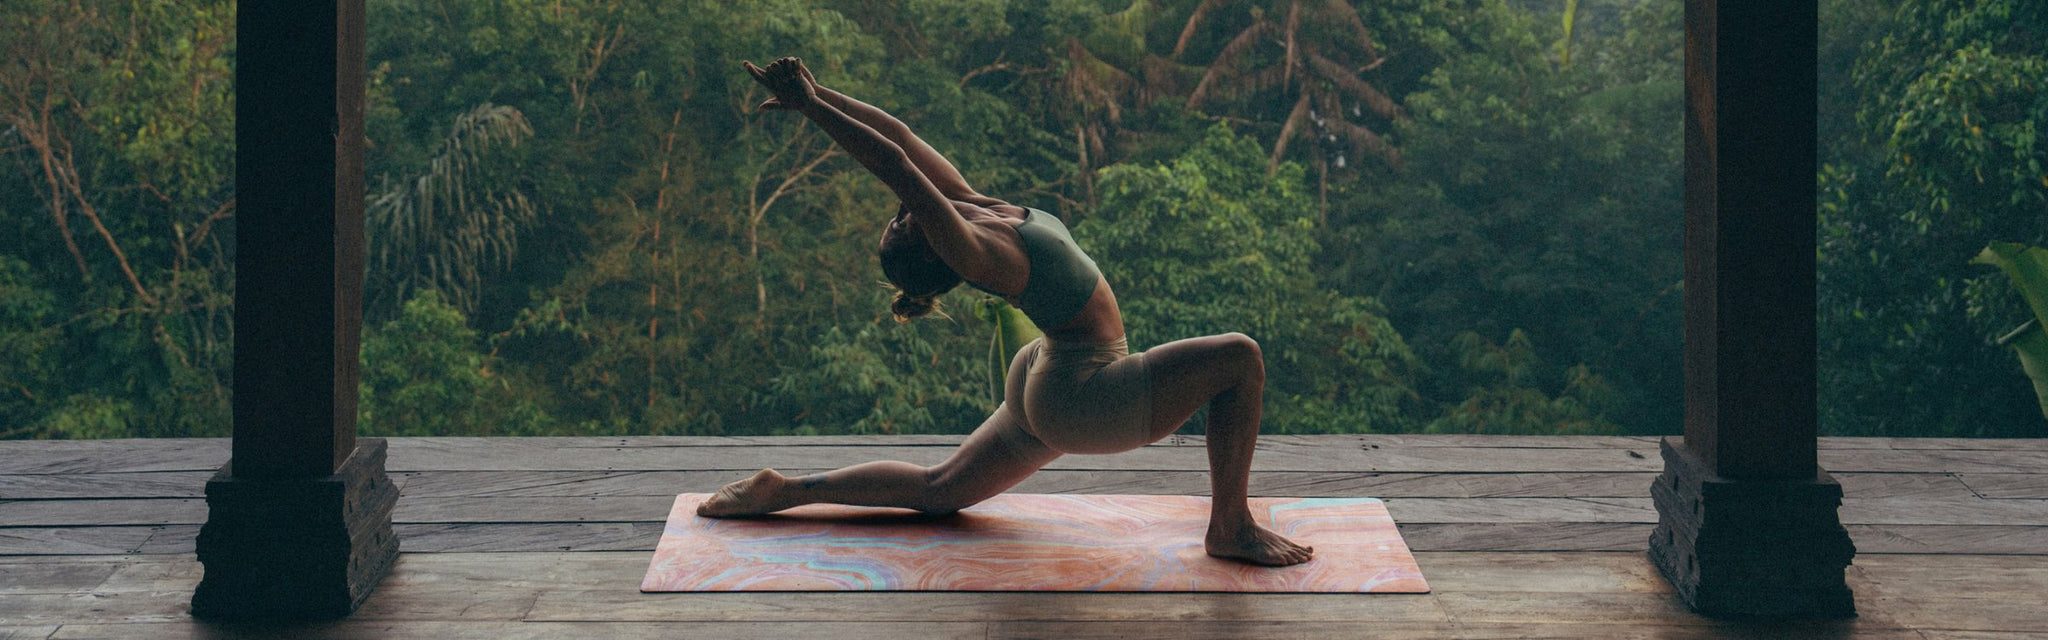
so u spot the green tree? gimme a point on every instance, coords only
(1505, 404)
(689, 266)
(1540, 198)
(881, 378)
(1208, 244)
(1944, 156)
(423, 374)
(29, 337)
(120, 198)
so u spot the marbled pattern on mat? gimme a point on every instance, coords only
(1028, 542)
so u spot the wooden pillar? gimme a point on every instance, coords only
(1747, 520)
(299, 523)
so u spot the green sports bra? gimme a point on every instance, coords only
(1062, 278)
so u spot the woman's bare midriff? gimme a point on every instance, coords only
(1099, 321)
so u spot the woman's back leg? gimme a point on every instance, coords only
(997, 456)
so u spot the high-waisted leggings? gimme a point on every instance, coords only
(1076, 397)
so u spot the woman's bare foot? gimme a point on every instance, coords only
(750, 497)
(1249, 542)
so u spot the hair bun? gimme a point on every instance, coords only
(907, 306)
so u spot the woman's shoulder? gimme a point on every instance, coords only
(987, 208)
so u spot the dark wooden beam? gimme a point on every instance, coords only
(299, 523)
(299, 238)
(1749, 234)
(1747, 519)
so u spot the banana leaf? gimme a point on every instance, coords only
(2028, 269)
(1013, 331)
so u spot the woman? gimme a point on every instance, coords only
(1077, 390)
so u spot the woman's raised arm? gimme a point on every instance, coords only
(935, 166)
(951, 237)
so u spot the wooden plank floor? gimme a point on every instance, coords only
(1521, 537)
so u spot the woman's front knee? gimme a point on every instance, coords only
(1242, 350)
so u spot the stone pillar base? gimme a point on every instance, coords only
(1750, 548)
(299, 548)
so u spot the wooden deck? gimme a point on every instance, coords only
(548, 537)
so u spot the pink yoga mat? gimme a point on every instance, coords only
(1028, 542)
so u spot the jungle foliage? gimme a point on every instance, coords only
(1934, 117)
(1435, 215)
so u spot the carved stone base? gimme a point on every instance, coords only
(1750, 548)
(296, 549)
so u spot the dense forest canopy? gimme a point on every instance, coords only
(1436, 215)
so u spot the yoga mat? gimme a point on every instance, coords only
(1028, 542)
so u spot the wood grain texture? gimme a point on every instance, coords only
(65, 608)
(1965, 511)
(638, 536)
(510, 571)
(1969, 613)
(389, 602)
(642, 536)
(73, 540)
(75, 558)
(2007, 486)
(1942, 486)
(1566, 536)
(1522, 537)
(1386, 453)
(654, 509)
(1923, 576)
(1962, 634)
(147, 484)
(596, 570)
(1260, 630)
(357, 629)
(1586, 572)
(58, 513)
(1954, 444)
(1950, 539)
(109, 456)
(1478, 595)
(1421, 536)
(12, 632)
(53, 578)
(1933, 460)
(1594, 536)
(1565, 607)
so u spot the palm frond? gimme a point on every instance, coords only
(1348, 16)
(1365, 141)
(1226, 60)
(1288, 131)
(451, 225)
(1187, 32)
(1350, 83)
(1095, 82)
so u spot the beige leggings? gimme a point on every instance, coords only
(1078, 397)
